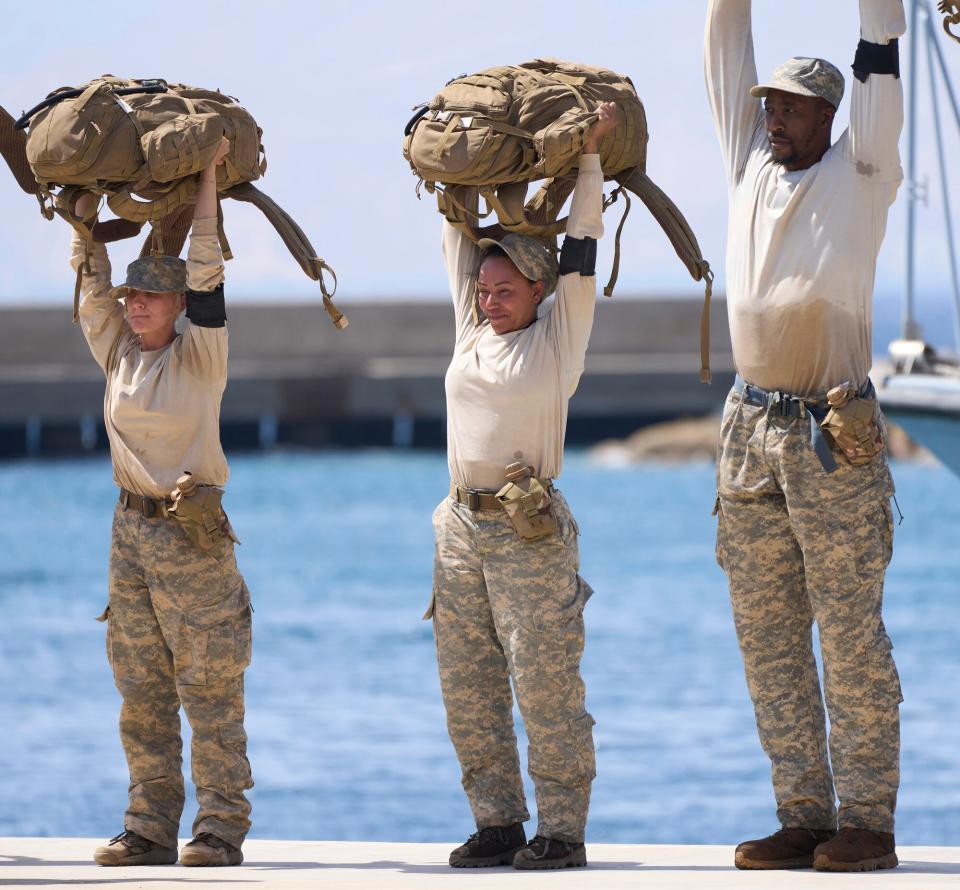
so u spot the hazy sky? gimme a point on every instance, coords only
(332, 85)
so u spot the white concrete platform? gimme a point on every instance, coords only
(65, 862)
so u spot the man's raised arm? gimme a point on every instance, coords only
(731, 71)
(876, 104)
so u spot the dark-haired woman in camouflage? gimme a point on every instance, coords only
(507, 597)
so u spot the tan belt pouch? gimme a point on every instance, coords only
(853, 424)
(528, 506)
(197, 508)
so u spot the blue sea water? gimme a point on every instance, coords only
(347, 735)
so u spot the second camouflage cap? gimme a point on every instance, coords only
(805, 77)
(154, 274)
(530, 256)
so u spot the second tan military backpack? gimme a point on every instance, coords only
(141, 144)
(505, 127)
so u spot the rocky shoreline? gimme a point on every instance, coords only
(695, 438)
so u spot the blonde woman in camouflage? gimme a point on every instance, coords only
(178, 619)
(507, 597)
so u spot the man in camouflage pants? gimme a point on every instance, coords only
(805, 534)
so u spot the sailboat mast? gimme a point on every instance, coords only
(909, 329)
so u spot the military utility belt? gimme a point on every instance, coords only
(475, 498)
(149, 507)
(525, 499)
(845, 417)
(483, 499)
(195, 506)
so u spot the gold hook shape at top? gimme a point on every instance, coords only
(951, 11)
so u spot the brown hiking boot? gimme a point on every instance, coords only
(129, 848)
(856, 849)
(210, 850)
(786, 848)
(494, 845)
(548, 852)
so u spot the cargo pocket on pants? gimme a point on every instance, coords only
(891, 692)
(233, 737)
(218, 640)
(567, 608)
(581, 728)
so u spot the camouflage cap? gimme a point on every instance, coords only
(154, 274)
(531, 256)
(805, 77)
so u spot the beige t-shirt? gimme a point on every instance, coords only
(161, 407)
(802, 246)
(507, 394)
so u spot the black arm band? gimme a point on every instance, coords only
(876, 58)
(578, 255)
(206, 309)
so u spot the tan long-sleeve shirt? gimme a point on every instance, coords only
(161, 407)
(802, 246)
(507, 394)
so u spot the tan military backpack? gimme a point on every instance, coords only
(505, 127)
(141, 144)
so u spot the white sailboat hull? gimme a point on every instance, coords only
(927, 406)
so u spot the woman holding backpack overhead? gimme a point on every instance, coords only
(507, 597)
(179, 616)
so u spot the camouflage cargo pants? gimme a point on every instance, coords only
(179, 633)
(503, 609)
(800, 545)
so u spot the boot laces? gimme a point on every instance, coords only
(130, 839)
(211, 840)
(541, 846)
(491, 832)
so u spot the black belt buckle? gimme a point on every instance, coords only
(148, 507)
(473, 499)
(754, 396)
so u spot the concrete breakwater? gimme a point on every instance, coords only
(294, 380)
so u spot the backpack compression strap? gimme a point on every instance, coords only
(684, 242)
(123, 204)
(297, 242)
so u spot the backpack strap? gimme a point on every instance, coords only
(94, 87)
(684, 242)
(296, 241)
(110, 230)
(508, 201)
(122, 203)
(168, 235)
(452, 203)
(225, 250)
(13, 149)
(615, 270)
(64, 206)
(548, 200)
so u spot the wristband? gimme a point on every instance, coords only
(207, 309)
(876, 58)
(578, 255)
